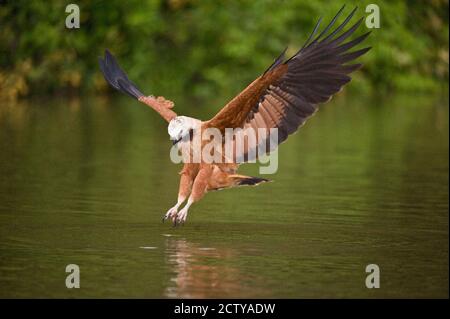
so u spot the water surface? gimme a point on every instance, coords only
(87, 181)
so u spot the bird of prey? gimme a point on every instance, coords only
(283, 97)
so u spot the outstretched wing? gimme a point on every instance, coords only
(118, 79)
(289, 92)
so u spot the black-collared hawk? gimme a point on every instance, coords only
(283, 98)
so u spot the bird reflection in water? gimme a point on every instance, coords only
(200, 272)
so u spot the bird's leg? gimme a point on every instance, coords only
(198, 190)
(172, 212)
(181, 216)
(186, 181)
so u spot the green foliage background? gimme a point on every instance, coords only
(203, 48)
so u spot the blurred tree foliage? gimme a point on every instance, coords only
(203, 48)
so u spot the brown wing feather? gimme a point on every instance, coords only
(236, 111)
(160, 105)
(292, 91)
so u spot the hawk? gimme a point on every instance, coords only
(282, 98)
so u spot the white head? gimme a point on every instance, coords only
(180, 127)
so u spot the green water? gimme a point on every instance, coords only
(87, 182)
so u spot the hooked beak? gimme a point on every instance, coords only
(176, 141)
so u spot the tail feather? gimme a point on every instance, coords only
(249, 180)
(116, 77)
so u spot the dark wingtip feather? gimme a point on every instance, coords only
(106, 73)
(344, 58)
(342, 25)
(116, 77)
(129, 88)
(352, 43)
(313, 33)
(277, 61)
(309, 43)
(330, 25)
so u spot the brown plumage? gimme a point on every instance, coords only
(283, 97)
(234, 114)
